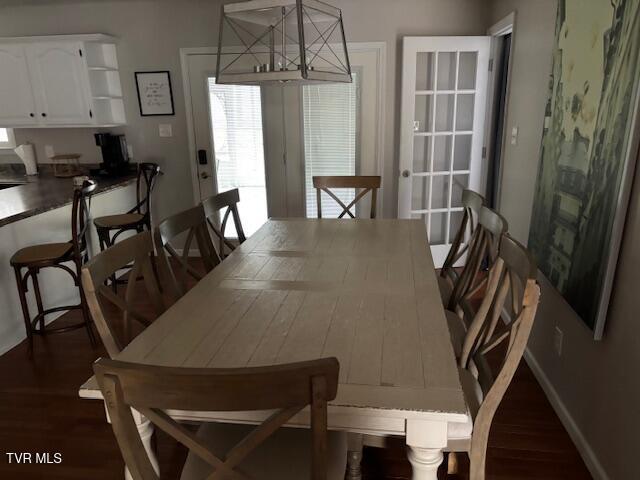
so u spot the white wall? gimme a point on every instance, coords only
(151, 34)
(594, 385)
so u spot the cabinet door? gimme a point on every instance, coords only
(60, 81)
(17, 106)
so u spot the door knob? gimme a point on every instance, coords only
(204, 175)
(405, 173)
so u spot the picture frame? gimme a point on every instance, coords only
(155, 94)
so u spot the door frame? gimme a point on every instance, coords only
(504, 26)
(379, 48)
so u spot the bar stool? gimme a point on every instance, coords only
(110, 227)
(55, 255)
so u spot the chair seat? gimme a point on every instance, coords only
(44, 253)
(457, 331)
(446, 289)
(284, 455)
(118, 221)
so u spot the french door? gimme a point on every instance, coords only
(444, 90)
(268, 141)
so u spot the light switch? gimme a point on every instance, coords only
(130, 151)
(49, 151)
(514, 136)
(165, 130)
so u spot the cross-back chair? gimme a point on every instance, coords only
(137, 252)
(192, 224)
(110, 227)
(364, 183)
(472, 202)
(212, 206)
(512, 292)
(287, 389)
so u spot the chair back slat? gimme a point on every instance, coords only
(366, 183)
(472, 202)
(192, 225)
(145, 183)
(212, 206)
(482, 253)
(151, 390)
(138, 252)
(514, 271)
(80, 212)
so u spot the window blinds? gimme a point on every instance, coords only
(236, 121)
(330, 114)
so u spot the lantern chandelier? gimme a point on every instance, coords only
(265, 41)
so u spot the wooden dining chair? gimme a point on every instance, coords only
(189, 224)
(504, 318)
(212, 207)
(364, 183)
(482, 254)
(472, 202)
(221, 450)
(136, 251)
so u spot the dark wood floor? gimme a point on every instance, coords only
(41, 412)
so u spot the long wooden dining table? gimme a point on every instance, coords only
(363, 291)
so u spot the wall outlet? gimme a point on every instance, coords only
(557, 341)
(49, 151)
(165, 130)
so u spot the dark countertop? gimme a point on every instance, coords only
(44, 192)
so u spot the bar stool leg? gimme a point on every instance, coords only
(25, 307)
(36, 291)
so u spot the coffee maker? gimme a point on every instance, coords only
(115, 158)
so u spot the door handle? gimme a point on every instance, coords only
(406, 173)
(204, 175)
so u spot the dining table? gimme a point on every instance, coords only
(362, 290)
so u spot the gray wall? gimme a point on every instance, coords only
(152, 32)
(595, 382)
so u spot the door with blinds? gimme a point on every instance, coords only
(269, 141)
(444, 89)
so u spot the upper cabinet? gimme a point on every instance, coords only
(61, 81)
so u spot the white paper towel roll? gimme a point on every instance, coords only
(27, 154)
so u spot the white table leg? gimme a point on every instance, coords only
(354, 456)
(145, 429)
(425, 442)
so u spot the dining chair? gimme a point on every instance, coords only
(482, 254)
(110, 227)
(188, 224)
(212, 207)
(505, 317)
(138, 252)
(222, 450)
(364, 183)
(59, 255)
(472, 202)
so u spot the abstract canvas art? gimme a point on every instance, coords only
(588, 152)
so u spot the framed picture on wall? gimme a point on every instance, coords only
(154, 93)
(588, 155)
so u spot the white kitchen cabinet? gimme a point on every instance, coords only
(60, 81)
(17, 105)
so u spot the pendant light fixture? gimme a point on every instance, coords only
(266, 41)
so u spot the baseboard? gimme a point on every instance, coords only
(585, 450)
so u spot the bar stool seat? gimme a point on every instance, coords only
(42, 255)
(123, 220)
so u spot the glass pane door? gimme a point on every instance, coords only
(236, 123)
